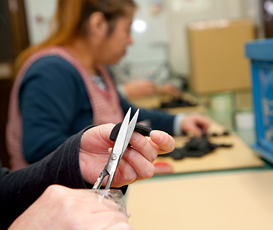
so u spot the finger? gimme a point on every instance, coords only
(97, 136)
(194, 130)
(125, 174)
(165, 143)
(203, 124)
(143, 146)
(201, 120)
(121, 226)
(195, 124)
(142, 167)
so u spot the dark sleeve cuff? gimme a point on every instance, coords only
(19, 189)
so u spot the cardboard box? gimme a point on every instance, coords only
(217, 55)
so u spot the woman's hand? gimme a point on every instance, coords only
(64, 208)
(195, 124)
(139, 88)
(168, 89)
(136, 163)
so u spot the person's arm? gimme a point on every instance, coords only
(137, 88)
(63, 208)
(133, 88)
(80, 159)
(48, 99)
(19, 189)
(3, 171)
(168, 89)
(195, 124)
(174, 125)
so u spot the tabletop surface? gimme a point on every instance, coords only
(223, 190)
(240, 155)
(238, 200)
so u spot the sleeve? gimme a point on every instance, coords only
(48, 99)
(3, 171)
(19, 189)
(177, 131)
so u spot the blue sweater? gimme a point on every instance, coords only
(54, 105)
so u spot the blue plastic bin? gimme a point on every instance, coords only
(260, 53)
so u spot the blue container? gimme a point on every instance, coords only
(261, 54)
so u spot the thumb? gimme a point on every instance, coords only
(96, 136)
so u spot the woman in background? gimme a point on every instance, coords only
(63, 85)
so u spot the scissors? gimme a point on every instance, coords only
(123, 137)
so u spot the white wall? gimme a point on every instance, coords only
(39, 14)
(166, 35)
(149, 50)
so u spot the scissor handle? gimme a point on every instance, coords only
(143, 130)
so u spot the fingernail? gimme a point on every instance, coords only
(135, 137)
(156, 136)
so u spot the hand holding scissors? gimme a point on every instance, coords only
(135, 164)
(122, 141)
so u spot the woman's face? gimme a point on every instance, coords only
(113, 46)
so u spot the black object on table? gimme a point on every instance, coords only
(196, 147)
(177, 103)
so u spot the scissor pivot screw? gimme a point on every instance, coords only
(114, 157)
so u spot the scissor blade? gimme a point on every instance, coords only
(119, 143)
(130, 131)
